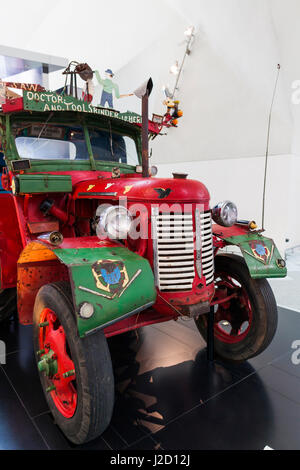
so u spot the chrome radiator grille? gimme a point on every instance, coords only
(207, 252)
(173, 241)
(174, 249)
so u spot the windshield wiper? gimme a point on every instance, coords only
(44, 127)
(111, 140)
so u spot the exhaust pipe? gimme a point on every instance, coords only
(143, 92)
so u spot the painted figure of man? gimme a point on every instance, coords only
(108, 88)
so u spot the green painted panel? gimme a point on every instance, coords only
(80, 165)
(114, 280)
(261, 255)
(35, 184)
(50, 101)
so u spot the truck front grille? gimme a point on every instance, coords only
(173, 242)
(174, 249)
(207, 252)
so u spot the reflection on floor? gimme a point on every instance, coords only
(287, 291)
(167, 395)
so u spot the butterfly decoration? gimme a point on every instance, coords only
(112, 278)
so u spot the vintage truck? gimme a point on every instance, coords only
(93, 245)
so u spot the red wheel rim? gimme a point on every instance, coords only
(233, 319)
(53, 338)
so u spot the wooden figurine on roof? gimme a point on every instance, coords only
(109, 87)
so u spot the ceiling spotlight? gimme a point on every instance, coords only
(175, 68)
(190, 31)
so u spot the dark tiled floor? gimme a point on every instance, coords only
(167, 395)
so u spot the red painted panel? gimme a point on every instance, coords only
(10, 241)
(87, 242)
(148, 317)
(226, 232)
(144, 189)
(33, 276)
(13, 105)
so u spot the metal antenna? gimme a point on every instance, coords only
(186, 53)
(268, 147)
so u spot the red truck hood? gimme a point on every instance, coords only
(143, 189)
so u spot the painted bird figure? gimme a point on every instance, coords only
(163, 193)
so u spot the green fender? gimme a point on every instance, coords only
(261, 255)
(117, 282)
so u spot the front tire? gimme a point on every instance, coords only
(246, 325)
(81, 402)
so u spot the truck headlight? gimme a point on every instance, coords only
(225, 214)
(114, 222)
(86, 311)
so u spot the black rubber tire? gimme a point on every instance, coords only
(264, 308)
(8, 304)
(94, 373)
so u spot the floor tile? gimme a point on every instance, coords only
(16, 336)
(286, 364)
(22, 371)
(280, 381)
(17, 431)
(190, 337)
(147, 443)
(249, 416)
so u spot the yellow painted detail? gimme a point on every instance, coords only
(128, 189)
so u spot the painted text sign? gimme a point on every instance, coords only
(49, 101)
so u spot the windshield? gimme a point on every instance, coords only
(44, 141)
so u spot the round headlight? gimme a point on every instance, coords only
(225, 214)
(153, 171)
(114, 222)
(86, 311)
